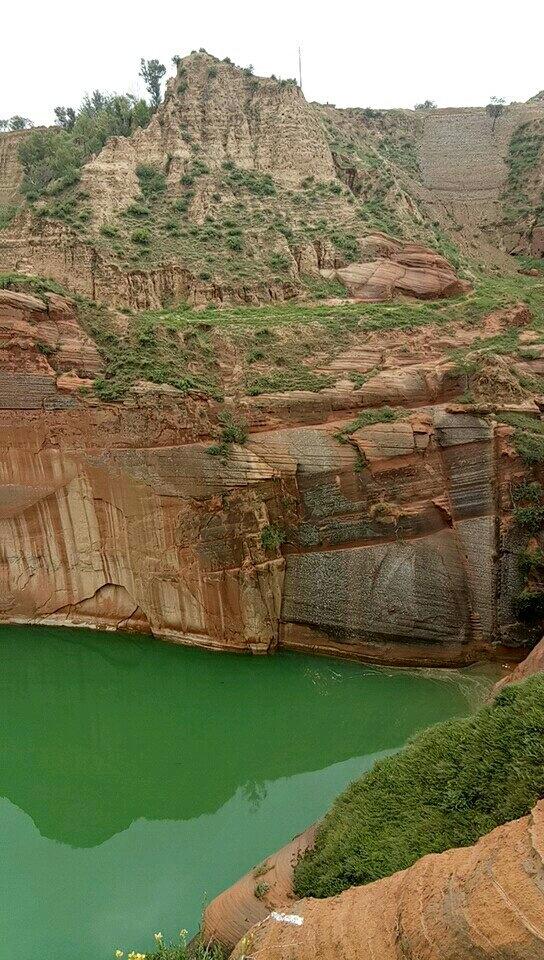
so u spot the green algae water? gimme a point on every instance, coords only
(138, 779)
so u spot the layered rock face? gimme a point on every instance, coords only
(464, 166)
(480, 901)
(385, 542)
(409, 269)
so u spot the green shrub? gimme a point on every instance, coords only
(108, 230)
(52, 159)
(234, 242)
(141, 236)
(531, 518)
(7, 213)
(279, 262)
(272, 537)
(529, 605)
(528, 437)
(152, 181)
(451, 785)
(137, 209)
(347, 244)
(233, 431)
(261, 889)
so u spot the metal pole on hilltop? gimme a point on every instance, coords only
(300, 67)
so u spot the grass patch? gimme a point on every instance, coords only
(528, 437)
(451, 785)
(366, 419)
(295, 377)
(196, 950)
(7, 213)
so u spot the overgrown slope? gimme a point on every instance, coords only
(454, 783)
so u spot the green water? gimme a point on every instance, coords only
(138, 779)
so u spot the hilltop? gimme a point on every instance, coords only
(237, 190)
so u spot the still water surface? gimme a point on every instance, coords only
(138, 779)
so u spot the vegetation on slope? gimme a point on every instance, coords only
(195, 950)
(523, 198)
(52, 158)
(451, 785)
(253, 227)
(275, 348)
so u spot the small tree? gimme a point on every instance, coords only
(176, 60)
(19, 123)
(152, 72)
(66, 117)
(495, 108)
(426, 105)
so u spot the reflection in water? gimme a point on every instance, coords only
(130, 768)
(254, 794)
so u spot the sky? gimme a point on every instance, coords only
(392, 53)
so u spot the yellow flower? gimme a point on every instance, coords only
(183, 933)
(158, 937)
(119, 954)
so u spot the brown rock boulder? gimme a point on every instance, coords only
(484, 901)
(409, 270)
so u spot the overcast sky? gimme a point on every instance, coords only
(378, 54)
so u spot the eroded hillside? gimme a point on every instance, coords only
(238, 190)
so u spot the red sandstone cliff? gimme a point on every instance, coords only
(394, 546)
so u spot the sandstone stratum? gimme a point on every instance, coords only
(356, 400)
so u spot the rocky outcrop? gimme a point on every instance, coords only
(225, 115)
(34, 331)
(409, 270)
(386, 541)
(387, 547)
(481, 901)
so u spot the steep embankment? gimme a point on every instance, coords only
(450, 786)
(480, 901)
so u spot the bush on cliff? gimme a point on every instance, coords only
(451, 785)
(52, 159)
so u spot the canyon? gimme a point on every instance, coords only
(272, 378)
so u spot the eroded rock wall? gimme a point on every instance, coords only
(116, 517)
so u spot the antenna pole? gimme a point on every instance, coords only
(300, 68)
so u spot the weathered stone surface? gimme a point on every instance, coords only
(534, 663)
(481, 901)
(413, 271)
(413, 591)
(44, 336)
(117, 514)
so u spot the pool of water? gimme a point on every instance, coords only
(138, 779)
